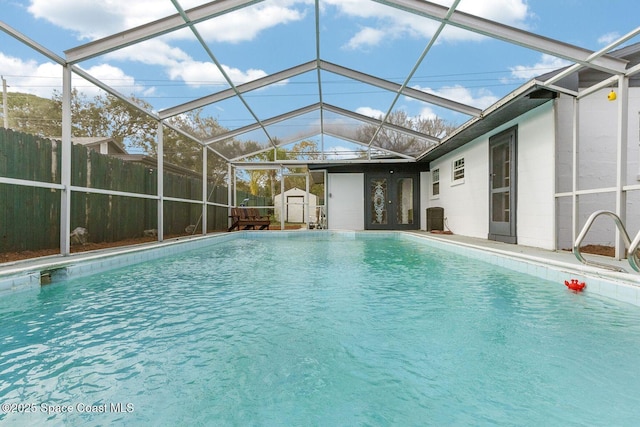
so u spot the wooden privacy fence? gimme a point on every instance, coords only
(30, 216)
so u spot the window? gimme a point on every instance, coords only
(435, 182)
(458, 170)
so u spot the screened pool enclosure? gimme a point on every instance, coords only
(204, 106)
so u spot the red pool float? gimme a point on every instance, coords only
(574, 285)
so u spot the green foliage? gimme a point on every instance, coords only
(34, 115)
(106, 115)
(267, 181)
(180, 150)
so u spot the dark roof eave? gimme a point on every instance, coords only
(522, 100)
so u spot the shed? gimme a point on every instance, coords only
(300, 206)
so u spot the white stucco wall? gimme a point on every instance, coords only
(466, 205)
(598, 127)
(536, 178)
(345, 206)
(564, 170)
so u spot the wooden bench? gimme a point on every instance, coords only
(248, 219)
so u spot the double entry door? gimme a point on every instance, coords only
(391, 201)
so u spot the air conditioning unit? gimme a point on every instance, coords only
(435, 219)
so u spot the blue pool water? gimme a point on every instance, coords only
(292, 331)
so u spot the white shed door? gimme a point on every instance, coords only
(295, 209)
(345, 206)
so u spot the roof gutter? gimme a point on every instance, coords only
(522, 91)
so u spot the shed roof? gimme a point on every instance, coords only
(95, 142)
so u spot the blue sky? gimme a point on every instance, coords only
(277, 34)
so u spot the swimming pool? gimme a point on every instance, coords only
(321, 329)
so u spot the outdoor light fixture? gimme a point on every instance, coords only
(612, 96)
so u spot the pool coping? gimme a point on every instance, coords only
(552, 266)
(33, 273)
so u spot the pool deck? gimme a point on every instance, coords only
(555, 266)
(564, 257)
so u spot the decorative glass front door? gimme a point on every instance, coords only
(390, 202)
(379, 188)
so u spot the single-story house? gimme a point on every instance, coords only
(529, 170)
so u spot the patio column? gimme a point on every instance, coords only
(621, 161)
(282, 200)
(65, 173)
(205, 173)
(307, 199)
(230, 195)
(160, 151)
(575, 211)
(231, 186)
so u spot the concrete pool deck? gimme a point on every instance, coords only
(555, 266)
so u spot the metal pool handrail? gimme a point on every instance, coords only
(632, 257)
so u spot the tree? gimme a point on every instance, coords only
(183, 151)
(399, 142)
(32, 114)
(434, 126)
(259, 179)
(106, 115)
(109, 116)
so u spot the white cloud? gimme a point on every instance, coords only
(30, 76)
(546, 64)
(245, 24)
(608, 38)
(393, 23)
(509, 12)
(196, 73)
(113, 77)
(151, 52)
(480, 98)
(91, 20)
(427, 113)
(370, 112)
(366, 37)
(179, 65)
(42, 79)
